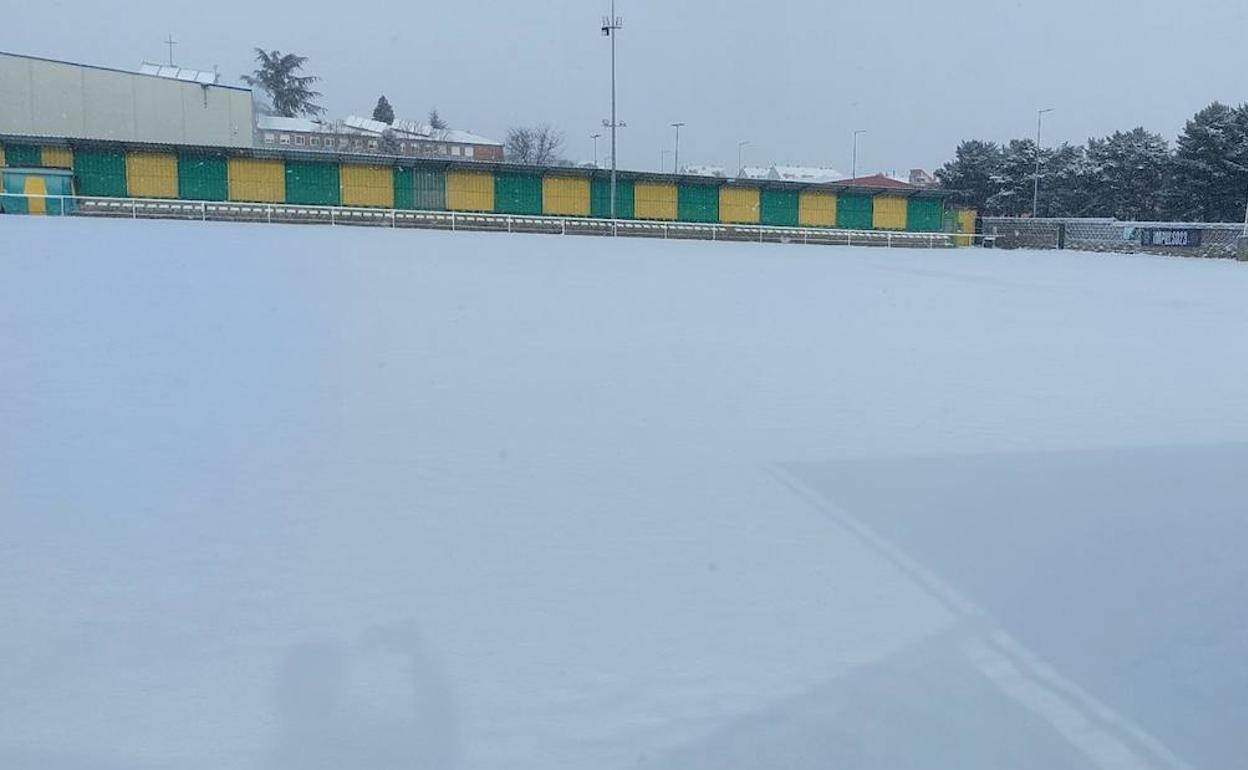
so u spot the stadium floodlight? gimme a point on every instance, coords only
(676, 159)
(610, 26)
(1035, 199)
(595, 137)
(854, 169)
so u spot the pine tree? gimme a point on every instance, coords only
(1127, 175)
(290, 93)
(383, 112)
(1063, 182)
(1014, 180)
(436, 122)
(970, 176)
(1210, 175)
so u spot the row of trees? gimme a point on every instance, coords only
(1132, 175)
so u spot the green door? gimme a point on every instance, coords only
(697, 203)
(925, 215)
(600, 198)
(780, 208)
(517, 193)
(855, 212)
(429, 190)
(100, 173)
(311, 183)
(203, 178)
(22, 156)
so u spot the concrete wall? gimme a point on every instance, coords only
(47, 98)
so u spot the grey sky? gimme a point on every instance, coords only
(793, 77)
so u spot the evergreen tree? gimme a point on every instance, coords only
(436, 122)
(970, 176)
(290, 93)
(1210, 175)
(1063, 182)
(1127, 175)
(1014, 180)
(383, 112)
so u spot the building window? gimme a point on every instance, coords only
(299, 140)
(441, 149)
(372, 144)
(468, 152)
(343, 142)
(455, 150)
(315, 141)
(285, 139)
(268, 137)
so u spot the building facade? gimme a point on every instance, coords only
(363, 136)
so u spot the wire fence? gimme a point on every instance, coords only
(279, 213)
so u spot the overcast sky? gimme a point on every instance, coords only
(794, 78)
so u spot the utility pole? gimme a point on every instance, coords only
(595, 137)
(741, 158)
(171, 43)
(676, 161)
(610, 26)
(854, 172)
(1035, 199)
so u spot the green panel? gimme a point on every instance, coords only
(101, 173)
(925, 215)
(203, 178)
(310, 183)
(23, 156)
(12, 201)
(404, 188)
(430, 190)
(518, 193)
(855, 212)
(697, 202)
(780, 208)
(600, 198)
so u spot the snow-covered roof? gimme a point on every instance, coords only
(279, 123)
(811, 174)
(179, 73)
(419, 130)
(704, 171)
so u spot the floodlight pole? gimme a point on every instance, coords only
(676, 160)
(1035, 200)
(610, 26)
(595, 137)
(854, 169)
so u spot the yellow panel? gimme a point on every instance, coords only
(565, 196)
(654, 200)
(36, 185)
(966, 224)
(152, 175)
(817, 209)
(58, 157)
(253, 179)
(368, 186)
(890, 212)
(739, 205)
(470, 191)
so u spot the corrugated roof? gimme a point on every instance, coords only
(171, 72)
(279, 123)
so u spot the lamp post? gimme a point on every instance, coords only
(610, 26)
(595, 137)
(854, 169)
(741, 157)
(676, 158)
(1035, 199)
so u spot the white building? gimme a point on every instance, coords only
(362, 135)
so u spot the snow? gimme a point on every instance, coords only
(278, 497)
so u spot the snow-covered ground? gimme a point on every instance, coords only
(299, 497)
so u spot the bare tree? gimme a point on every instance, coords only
(537, 145)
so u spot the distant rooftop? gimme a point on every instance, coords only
(881, 181)
(180, 73)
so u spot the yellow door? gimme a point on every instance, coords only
(257, 180)
(565, 196)
(817, 209)
(151, 174)
(890, 212)
(371, 186)
(655, 200)
(470, 191)
(739, 205)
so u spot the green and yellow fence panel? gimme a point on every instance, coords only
(566, 196)
(600, 198)
(101, 173)
(368, 186)
(57, 157)
(23, 156)
(779, 208)
(470, 191)
(313, 183)
(257, 180)
(152, 175)
(404, 188)
(517, 193)
(203, 177)
(855, 212)
(740, 205)
(697, 203)
(925, 215)
(889, 212)
(26, 191)
(655, 200)
(817, 209)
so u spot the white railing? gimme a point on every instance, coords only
(288, 213)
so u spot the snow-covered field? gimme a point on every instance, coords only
(299, 497)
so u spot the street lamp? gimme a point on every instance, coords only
(854, 171)
(676, 160)
(595, 137)
(610, 26)
(741, 157)
(1035, 200)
